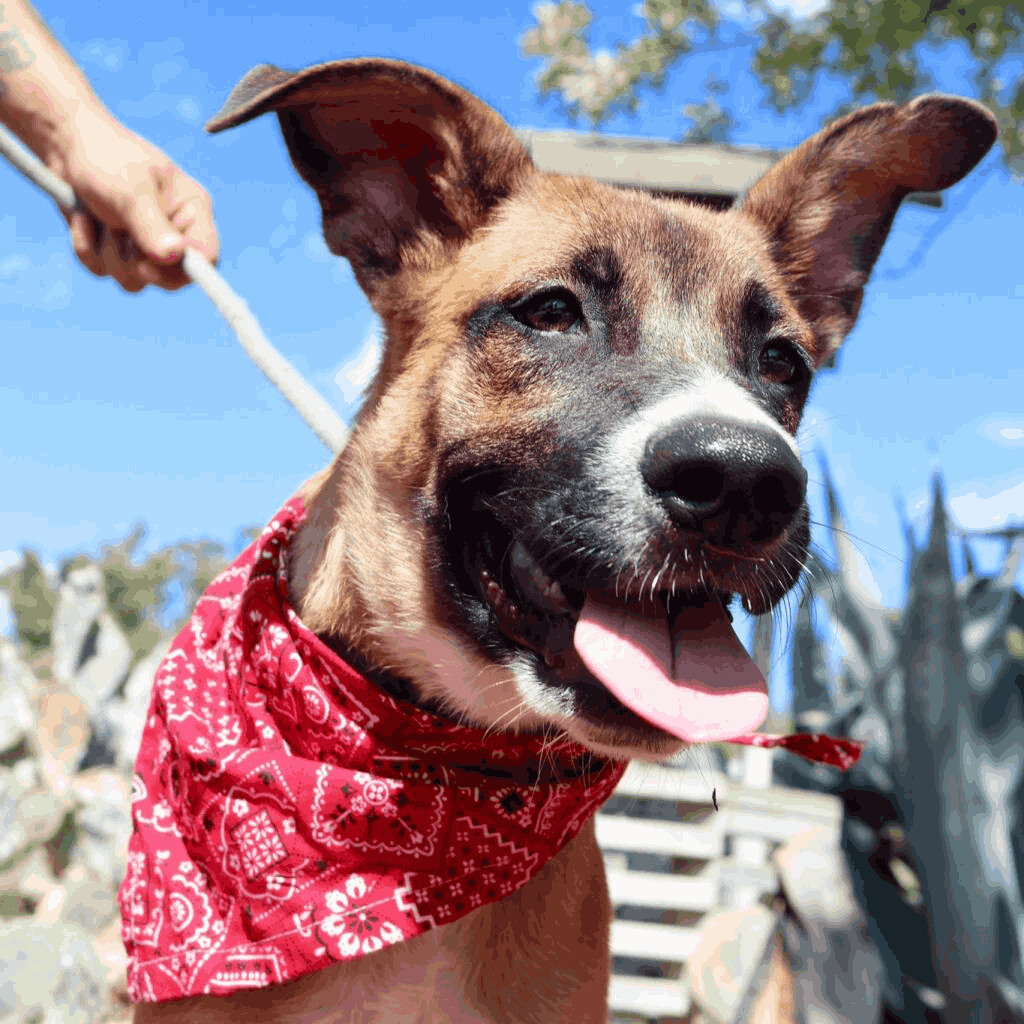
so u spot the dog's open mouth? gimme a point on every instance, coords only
(673, 659)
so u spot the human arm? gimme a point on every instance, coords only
(138, 210)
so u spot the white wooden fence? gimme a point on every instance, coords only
(672, 860)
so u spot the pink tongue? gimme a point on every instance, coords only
(697, 682)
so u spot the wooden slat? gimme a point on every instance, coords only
(668, 943)
(747, 807)
(615, 861)
(652, 997)
(616, 832)
(775, 827)
(657, 783)
(648, 163)
(659, 164)
(652, 782)
(654, 889)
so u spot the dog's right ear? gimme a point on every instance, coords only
(396, 155)
(827, 206)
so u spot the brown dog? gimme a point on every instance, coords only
(577, 450)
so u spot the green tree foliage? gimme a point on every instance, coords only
(595, 86)
(148, 595)
(880, 50)
(32, 600)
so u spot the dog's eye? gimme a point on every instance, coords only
(782, 363)
(556, 310)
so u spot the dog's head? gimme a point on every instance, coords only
(580, 443)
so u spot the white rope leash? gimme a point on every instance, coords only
(308, 402)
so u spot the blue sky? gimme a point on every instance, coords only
(117, 408)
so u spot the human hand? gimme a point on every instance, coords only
(137, 210)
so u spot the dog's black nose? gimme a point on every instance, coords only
(736, 483)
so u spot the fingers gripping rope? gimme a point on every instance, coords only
(308, 402)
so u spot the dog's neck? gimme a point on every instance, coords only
(320, 587)
(327, 601)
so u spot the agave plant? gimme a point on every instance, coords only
(933, 833)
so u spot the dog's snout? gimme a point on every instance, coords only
(736, 483)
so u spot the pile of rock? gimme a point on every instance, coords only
(70, 723)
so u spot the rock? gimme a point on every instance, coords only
(31, 876)
(104, 823)
(127, 715)
(50, 971)
(62, 736)
(91, 654)
(816, 881)
(110, 950)
(80, 602)
(81, 898)
(839, 972)
(17, 683)
(724, 968)
(28, 815)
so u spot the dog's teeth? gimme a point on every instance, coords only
(553, 592)
(535, 583)
(501, 602)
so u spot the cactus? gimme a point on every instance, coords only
(933, 836)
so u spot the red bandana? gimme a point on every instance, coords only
(289, 814)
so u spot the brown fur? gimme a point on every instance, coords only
(431, 197)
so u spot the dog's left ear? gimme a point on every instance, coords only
(828, 206)
(398, 156)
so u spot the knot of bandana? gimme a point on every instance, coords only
(289, 814)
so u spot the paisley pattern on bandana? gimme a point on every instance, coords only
(288, 814)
